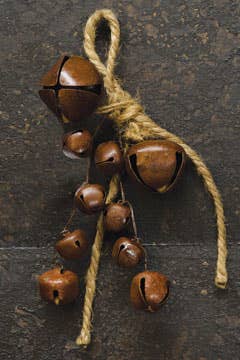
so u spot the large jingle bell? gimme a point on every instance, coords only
(156, 164)
(71, 88)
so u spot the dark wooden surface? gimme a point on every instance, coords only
(183, 58)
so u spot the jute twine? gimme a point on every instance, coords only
(134, 125)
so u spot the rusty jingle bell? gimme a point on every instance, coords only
(90, 198)
(149, 290)
(77, 144)
(73, 245)
(155, 164)
(116, 216)
(59, 286)
(108, 158)
(71, 88)
(127, 252)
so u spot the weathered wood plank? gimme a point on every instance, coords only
(198, 322)
(183, 59)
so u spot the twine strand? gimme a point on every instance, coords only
(85, 336)
(134, 126)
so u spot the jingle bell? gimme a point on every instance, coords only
(77, 144)
(149, 290)
(116, 216)
(127, 252)
(108, 158)
(155, 164)
(73, 245)
(71, 88)
(59, 286)
(90, 198)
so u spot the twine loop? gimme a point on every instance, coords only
(89, 42)
(121, 108)
(134, 126)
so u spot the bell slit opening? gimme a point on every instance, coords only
(142, 288)
(179, 162)
(77, 243)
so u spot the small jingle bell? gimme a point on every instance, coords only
(77, 144)
(73, 245)
(90, 198)
(59, 286)
(127, 252)
(71, 88)
(149, 290)
(155, 164)
(116, 216)
(108, 158)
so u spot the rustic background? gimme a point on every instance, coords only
(183, 58)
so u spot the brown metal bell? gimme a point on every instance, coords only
(77, 144)
(73, 245)
(108, 158)
(149, 290)
(71, 88)
(116, 216)
(90, 198)
(155, 164)
(59, 286)
(127, 252)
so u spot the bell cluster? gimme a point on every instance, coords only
(72, 90)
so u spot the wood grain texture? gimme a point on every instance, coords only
(183, 59)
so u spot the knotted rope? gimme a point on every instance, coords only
(134, 125)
